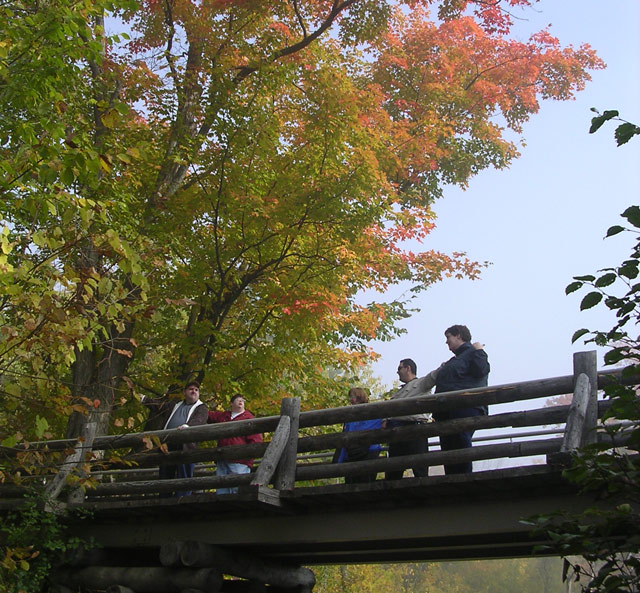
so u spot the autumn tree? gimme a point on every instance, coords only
(205, 192)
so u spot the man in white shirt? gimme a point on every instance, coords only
(413, 386)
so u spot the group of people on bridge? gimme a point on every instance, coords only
(467, 369)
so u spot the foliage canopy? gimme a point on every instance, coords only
(206, 191)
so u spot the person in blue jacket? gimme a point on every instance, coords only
(358, 395)
(469, 368)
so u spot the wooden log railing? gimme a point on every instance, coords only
(280, 467)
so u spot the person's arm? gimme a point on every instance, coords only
(216, 416)
(200, 416)
(428, 382)
(479, 361)
(153, 403)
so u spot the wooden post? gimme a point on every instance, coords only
(273, 454)
(575, 430)
(285, 476)
(587, 363)
(83, 446)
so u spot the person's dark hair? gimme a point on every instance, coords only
(407, 362)
(459, 330)
(359, 394)
(235, 397)
(190, 383)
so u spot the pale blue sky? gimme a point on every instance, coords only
(542, 221)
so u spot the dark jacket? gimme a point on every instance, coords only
(215, 417)
(469, 368)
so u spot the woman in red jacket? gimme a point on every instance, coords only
(237, 466)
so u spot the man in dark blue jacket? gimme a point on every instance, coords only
(468, 368)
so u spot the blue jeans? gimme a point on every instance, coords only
(399, 449)
(225, 468)
(462, 440)
(170, 472)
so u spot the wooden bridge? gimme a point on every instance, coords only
(294, 510)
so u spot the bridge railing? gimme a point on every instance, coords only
(113, 467)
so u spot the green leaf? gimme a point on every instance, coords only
(624, 132)
(109, 118)
(606, 280)
(41, 426)
(578, 334)
(587, 278)
(632, 214)
(591, 300)
(10, 441)
(614, 230)
(613, 357)
(629, 269)
(597, 121)
(573, 287)
(613, 302)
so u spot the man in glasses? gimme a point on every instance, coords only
(412, 387)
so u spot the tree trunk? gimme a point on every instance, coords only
(97, 378)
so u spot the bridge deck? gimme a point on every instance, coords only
(434, 518)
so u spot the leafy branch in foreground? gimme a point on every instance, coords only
(623, 132)
(607, 536)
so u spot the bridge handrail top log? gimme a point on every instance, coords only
(381, 409)
(435, 402)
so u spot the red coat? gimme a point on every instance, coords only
(215, 417)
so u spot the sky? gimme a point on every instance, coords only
(540, 222)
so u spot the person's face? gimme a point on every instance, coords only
(453, 342)
(404, 373)
(191, 394)
(353, 399)
(237, 405)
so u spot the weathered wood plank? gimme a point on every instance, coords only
(524, 449)
(574, 434)
(284, 478)
(587, 363)
(274, 452)
(147, 486)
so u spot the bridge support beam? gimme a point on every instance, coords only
(142, 579)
